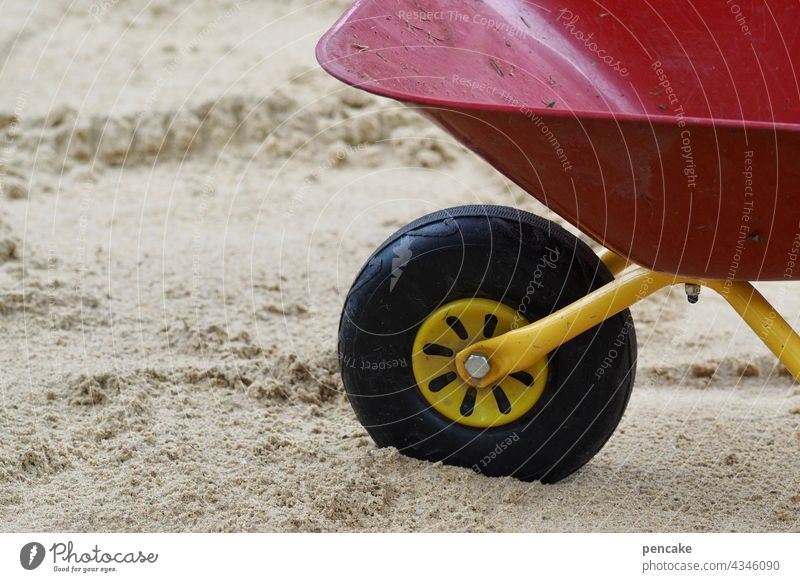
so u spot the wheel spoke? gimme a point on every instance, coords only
(437, 350)
(441, 381)
(458, 327)
(489, 325)
(523, 377)
(468, 404)
(503, 405)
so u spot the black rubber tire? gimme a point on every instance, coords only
(496, 253)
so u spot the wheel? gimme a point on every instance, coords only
(458, 276)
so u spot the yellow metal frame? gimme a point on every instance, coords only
(521, 348)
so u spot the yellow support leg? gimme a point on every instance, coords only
(520, 348)
(614, 262)
(523, 347)
(769, 326)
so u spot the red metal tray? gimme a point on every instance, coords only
(666, 131)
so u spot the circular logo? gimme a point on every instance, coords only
(31, 555)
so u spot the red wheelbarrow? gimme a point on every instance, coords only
(486, 337)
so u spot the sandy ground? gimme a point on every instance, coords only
(185, 200)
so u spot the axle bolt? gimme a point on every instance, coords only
(477, 366)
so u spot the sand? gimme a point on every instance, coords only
(185, 201)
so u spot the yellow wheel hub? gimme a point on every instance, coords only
(450, 329)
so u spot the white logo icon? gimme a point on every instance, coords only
(402, 254)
